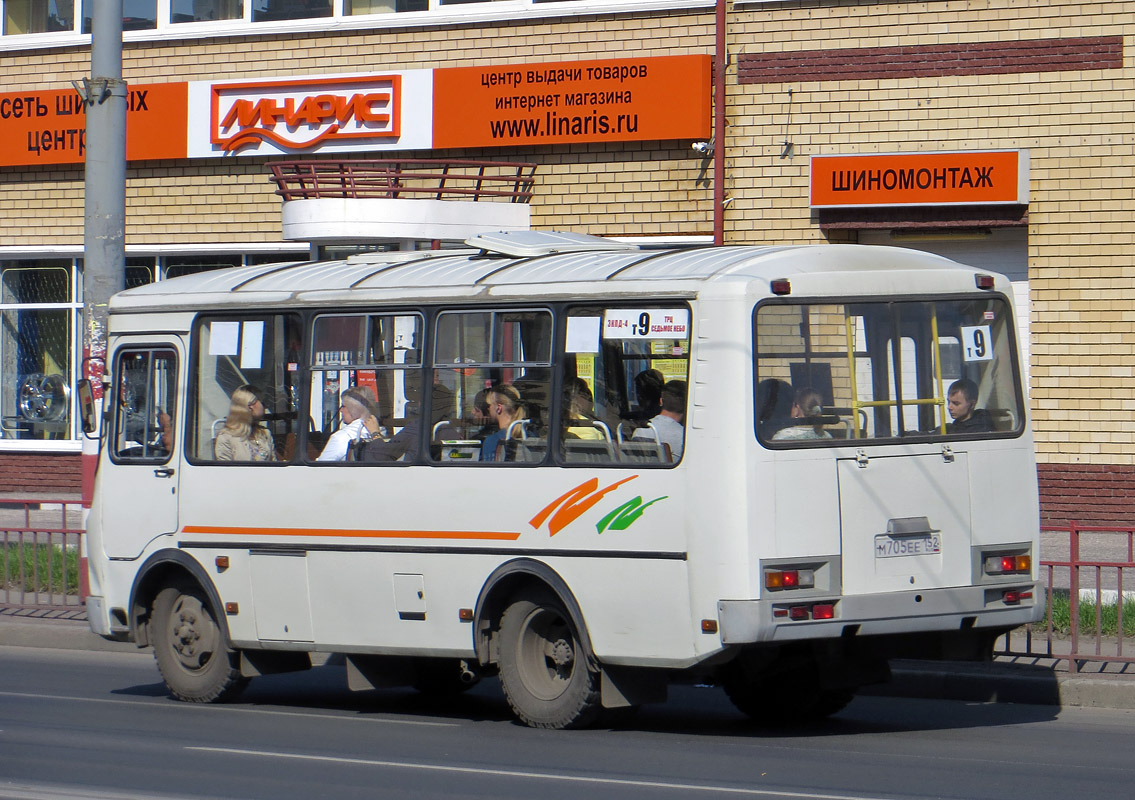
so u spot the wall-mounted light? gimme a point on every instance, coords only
(703, 148)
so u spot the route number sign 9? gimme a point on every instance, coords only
(977, 343)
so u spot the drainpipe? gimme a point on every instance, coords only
(721, 59)
(104, 217)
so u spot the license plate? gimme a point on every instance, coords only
(897, 546)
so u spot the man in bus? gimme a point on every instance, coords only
(961, 401)
(667, 424)
(358, 422)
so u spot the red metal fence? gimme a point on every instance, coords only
(420, 179)
(40, 554)
(1086, 570)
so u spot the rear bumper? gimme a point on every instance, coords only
(964, 608)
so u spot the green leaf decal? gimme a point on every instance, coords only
(625, 515)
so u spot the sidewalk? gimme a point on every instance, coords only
(1035, 681)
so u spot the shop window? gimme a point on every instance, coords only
(37, 16)
(139, 272)
(36, 346)
(355, 7)
(205, 10)
(272, 10)
(182, 265)
(137, 15)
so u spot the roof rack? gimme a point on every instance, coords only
(528, 244)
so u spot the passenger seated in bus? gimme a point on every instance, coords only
(403, 445)
(480, 423)
(774, 406)
(579, 408)
(648, 393)
(961, 401)
(667, 424)
(358, 422)
(505, 408)
(244, 438)
(806, 410)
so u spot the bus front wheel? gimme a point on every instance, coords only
(543, 670)
(190, 649)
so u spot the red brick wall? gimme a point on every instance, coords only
(1093, 494)
(40, 473)
(924, 61)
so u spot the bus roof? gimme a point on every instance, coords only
(500, 264)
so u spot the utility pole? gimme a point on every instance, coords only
(104, 218)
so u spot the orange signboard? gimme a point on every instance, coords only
(570, 102)
(48, 126)
(923, 179)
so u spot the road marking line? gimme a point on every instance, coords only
(241, 709)
(547, 776)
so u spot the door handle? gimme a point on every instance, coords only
(163, 472)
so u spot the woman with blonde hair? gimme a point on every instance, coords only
(244, 437)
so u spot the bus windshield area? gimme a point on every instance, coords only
(827, 372)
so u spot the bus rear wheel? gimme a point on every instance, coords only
(190, 650)
(543, 670)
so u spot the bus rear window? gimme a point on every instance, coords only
(827, 372)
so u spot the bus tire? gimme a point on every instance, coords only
(543, 670)
(189, 647)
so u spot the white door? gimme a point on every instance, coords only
(905, 522)
(138, 477)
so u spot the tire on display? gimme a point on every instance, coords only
(543, 670)
(190, 650)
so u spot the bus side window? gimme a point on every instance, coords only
(616, 365)
(246, 390)
(492, 373)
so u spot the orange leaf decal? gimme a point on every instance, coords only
(569, 506)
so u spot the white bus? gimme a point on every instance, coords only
(852, 479)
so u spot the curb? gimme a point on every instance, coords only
(1006, 683)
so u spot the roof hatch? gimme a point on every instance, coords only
(526, 244)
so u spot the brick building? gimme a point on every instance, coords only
(891, 88)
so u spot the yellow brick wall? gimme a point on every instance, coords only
(1077, 126)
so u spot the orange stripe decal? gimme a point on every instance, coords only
(505, 536)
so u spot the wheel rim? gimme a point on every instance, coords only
(546, 654)
(192, 633)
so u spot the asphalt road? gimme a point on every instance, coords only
(99, 725)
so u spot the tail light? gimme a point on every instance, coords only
(804, 611)
(1008, 564)
(777, 579)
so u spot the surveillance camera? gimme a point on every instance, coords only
(701, 148)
